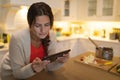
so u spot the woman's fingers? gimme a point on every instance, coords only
(66, 55)
(37, 61)
(39, 65)
(63, 59)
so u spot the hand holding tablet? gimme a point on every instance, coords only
(56, 55)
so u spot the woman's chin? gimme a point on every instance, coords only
(42, 37)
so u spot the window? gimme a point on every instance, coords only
(66, 8)
(107, 8)
(92, 7)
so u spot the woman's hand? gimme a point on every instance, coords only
(63, 59)
(38, 65)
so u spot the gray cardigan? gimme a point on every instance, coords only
(15, 64)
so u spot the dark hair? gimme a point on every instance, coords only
(39, 9)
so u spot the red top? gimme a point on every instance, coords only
(36, 52)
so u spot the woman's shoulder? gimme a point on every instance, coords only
(23, 34)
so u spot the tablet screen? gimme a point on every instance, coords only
(53, 57)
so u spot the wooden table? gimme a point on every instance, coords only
(73, 70)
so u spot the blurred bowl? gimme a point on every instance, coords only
(1, 45)
(118, 68)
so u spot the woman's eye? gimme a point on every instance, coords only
(47, 24)
(40, 25)
(37, 25)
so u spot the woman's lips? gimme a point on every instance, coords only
(42, 34)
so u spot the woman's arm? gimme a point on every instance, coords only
(20, 68)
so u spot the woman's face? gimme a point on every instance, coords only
(40, 28)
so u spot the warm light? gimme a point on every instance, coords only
(65, 26)
(21, 17)
(104, 24)
(23, 11)
(98, 27)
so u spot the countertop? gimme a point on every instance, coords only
(61, 38)
(5, 48)
(107, 65)
(73, 70)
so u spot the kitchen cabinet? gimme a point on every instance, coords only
(55, 5)
(77, 45)
(81, 44)
(104, 10)
(12, 17)
(72, 44)
(52, 3)
(86, 45)
(72, 9)
(58, 6)
(11, 7)
(3, 51)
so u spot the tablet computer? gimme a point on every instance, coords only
(53, 57)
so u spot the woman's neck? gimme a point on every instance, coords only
(35, 41)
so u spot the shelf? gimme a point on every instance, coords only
(62, 38)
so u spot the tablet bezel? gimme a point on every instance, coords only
(53, 57)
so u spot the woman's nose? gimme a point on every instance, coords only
(42, 29)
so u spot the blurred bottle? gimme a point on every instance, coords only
(104, 33)
(1, 38)
(6, 38)
(58, 32)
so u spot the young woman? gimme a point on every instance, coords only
(29, 46)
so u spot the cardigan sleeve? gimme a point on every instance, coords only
(21, 70)
(53, 43)
(51, 50)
